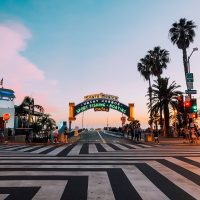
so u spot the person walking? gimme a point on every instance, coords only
(56, 135)
(187, 134)
(155, 135)
(139, 132)
(193, 136)
(66, 135)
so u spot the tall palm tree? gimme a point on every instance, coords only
(144, 67)
(45, 120)
(182, 34)
(165, 95)
(28, 103)
(158, 59)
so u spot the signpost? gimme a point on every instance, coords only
(189, 77)
(189, 81)
(191, 91)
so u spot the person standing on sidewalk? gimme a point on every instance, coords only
(66, 135)
(155, 135)
(139, 132)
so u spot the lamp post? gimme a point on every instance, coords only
(188, 63)
(188, 60)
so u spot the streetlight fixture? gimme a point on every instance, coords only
(193, 50)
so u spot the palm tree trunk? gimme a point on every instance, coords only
(185, 61)
(161, 121)
(166, 118)
(150, 97)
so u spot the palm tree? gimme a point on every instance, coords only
(28, 103)
(165, 97)
(182, 34)
(45, 120)
(144, 67)
(158, 59)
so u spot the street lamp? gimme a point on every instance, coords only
(193, 50)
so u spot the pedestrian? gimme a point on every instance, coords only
(193, 136)
(27, 137)
(66, 135)
(51, 138)
(1, 136)
(139, 132)
(187, 134)
(155, 135)
(56, 135)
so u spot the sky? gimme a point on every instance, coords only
(58, 51)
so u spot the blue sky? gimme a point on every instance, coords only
(92, 46)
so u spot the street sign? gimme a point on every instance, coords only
(189, 77)
(190, 91)
(190, 85)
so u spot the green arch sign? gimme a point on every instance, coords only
(103, 104)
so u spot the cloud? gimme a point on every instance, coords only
(19, 73)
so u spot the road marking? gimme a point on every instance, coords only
(49, 189)
(180, 181)
(93, 148)
(185, 165)
(107, 147)
(75, 151)
(101, 137)
(42, 149)
(145, 188)
(57, 150)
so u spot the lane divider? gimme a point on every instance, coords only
(101, 137)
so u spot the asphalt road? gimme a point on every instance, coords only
(98, 136)
(99, 167)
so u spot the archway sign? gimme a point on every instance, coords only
(100, 102)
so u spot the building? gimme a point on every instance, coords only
(7, 106)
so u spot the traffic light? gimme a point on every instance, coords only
(194, 115)
(187, 106)
(180, 104)
(193, 105)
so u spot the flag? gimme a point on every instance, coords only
(1, 82)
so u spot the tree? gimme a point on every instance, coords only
(45, 120)
(182, 34)
(158, 60)
(144, 67)
(27, 107)
(164, 96)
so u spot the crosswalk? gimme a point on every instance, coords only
(73, 149)
(160, 173)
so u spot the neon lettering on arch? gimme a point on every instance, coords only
(101, 103)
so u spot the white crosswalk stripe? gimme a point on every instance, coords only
(106, 175)
(57, 150)
(75, 150)
(121, 146)
(29, 148)
(182, 182)
(143, 185)
(107, 147)
(92, 148)
(42, 149)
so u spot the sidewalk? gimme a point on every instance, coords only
(71, 140)
(174, 141)
(167, 141)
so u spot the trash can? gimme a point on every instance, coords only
(148, 137)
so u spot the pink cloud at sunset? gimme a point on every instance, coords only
(19, 73)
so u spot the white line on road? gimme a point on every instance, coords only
(101, 137)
